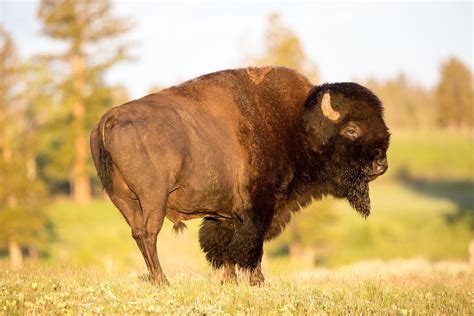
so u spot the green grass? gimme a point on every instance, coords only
(402, 224)
(431, 154)
(97, 235)
(60, 290)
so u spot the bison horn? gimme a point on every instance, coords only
(327, 109)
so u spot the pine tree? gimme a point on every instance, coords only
(89, 29)
(454, 95)
(284, 48)
(406, 104)
(23, 220)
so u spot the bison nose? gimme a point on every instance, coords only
(380, 166)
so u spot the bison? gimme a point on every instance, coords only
(242, 149)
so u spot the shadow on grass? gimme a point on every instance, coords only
(460, 192)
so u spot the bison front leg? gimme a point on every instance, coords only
(256, 276)
(214, 238)
(228, 243)
(246, 248)
(229, 275)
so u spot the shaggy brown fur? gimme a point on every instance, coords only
(242, 149)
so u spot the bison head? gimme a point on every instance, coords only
(346, 131)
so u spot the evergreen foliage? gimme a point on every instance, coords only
(23, 220)
(454, 95)
(90, 30)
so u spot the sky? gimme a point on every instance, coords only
(349, 41)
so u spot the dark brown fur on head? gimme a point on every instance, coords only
(345, 163)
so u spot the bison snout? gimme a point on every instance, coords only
(379, 167)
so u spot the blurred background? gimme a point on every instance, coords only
(63, 63)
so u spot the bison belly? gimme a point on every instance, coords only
(204, 193)
(212, 181)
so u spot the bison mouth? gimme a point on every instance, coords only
(372, 177)
(378, 168)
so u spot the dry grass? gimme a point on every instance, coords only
(414, 288)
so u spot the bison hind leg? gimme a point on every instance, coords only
(214, 238)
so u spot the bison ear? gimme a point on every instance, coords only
(320, 121)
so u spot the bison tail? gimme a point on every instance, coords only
(105, 168)
(104, 162)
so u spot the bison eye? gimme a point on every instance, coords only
(351, 131)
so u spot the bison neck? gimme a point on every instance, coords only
(307, 184)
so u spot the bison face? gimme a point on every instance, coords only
(346, 131)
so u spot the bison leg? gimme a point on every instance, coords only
(214, 238)
(132, 213)
(154, 211)
(246, 248)
(229, 274)
(256, 276)
(127, 203)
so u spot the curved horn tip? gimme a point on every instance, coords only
(327, 109)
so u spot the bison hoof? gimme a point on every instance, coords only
(229, 280)
(159, 280)
(256, 279)
(229, 275)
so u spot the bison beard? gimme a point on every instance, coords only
(350, 181)
(358, 192)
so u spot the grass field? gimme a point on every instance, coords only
(409, 257)
(66, 290)
(431, 154)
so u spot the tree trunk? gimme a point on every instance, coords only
(6, 156)
(81, 183)
(33, 253)
(14, 252)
